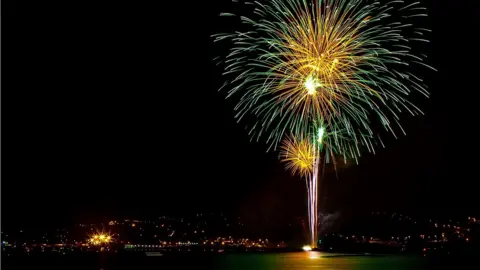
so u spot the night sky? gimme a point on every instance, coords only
(113, 109)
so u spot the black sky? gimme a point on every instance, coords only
(113, 109)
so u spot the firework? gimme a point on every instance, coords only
(344, 62)
(304, 156)
(327, 72)
(299, 156)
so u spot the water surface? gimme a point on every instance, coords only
(226, 261)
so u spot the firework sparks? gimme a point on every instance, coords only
(299, 155)
(340, 61)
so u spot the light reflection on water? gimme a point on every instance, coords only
(318, 260)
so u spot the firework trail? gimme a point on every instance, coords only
(337, 67)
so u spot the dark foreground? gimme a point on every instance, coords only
(293, 260)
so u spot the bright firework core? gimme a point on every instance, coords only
(321, 132)
(311, 84)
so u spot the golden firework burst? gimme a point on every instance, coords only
(299, 155)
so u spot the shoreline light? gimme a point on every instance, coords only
(307, 248)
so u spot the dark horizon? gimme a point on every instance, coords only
(114, 110)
